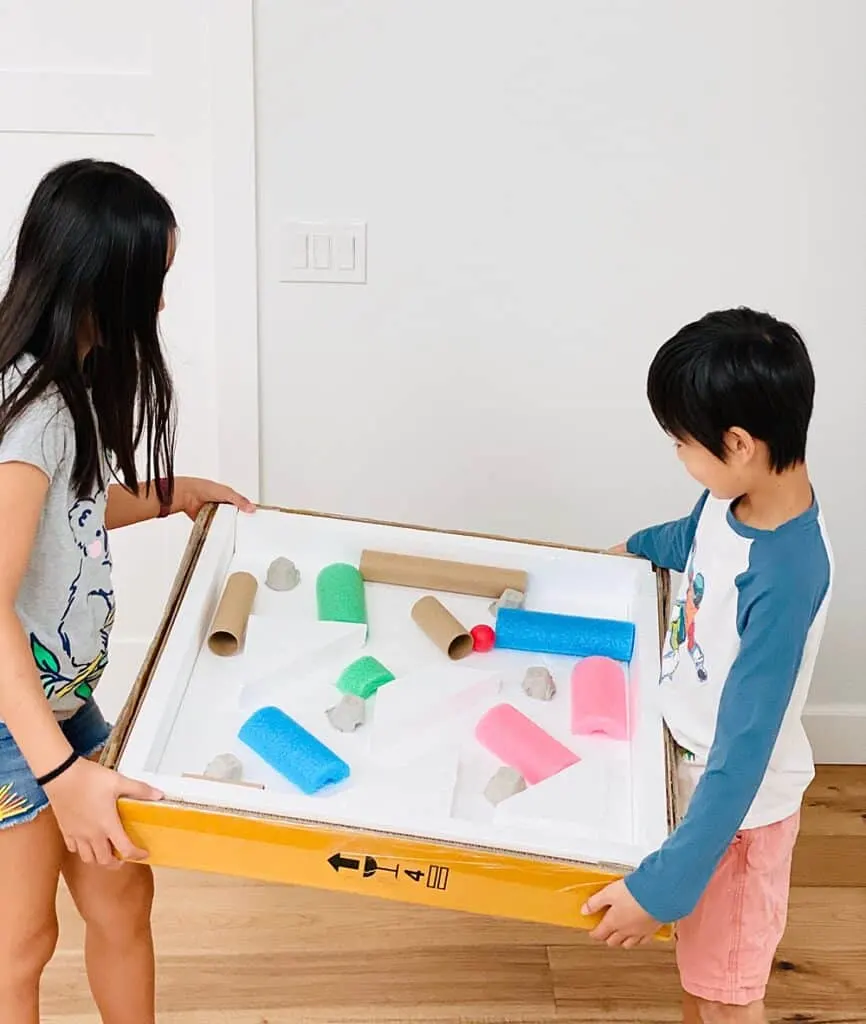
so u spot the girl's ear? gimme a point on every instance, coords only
(87, 337)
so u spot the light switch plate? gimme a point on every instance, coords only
(324, 251)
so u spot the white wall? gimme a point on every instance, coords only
(552, 188)
(137, 83)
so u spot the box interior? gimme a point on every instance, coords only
(415, 770)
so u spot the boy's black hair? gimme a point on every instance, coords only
(93, 250)
(735, 368)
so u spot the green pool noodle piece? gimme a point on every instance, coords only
(340, 594)
(364, 677)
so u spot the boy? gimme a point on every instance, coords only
(735, 390)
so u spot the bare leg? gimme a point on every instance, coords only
(115, 904)
(30, 858)
(718, 1013)
(691, 1011)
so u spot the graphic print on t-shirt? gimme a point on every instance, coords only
(682, 630)
(90, 600)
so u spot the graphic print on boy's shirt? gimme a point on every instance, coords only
(683, 626)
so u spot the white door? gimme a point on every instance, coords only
(165, 86)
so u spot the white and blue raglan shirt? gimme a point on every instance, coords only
(736, 669)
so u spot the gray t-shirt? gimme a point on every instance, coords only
(66, 600)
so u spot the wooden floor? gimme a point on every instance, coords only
(247, 953)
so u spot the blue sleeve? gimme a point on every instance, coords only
(668, 544)
(773, 591)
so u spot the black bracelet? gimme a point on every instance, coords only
(43, 780)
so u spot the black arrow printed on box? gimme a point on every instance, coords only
(338, 861)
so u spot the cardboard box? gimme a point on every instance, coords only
(358, 841)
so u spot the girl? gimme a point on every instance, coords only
(84, 389)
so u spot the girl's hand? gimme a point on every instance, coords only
(84, 801)
(191, 495)
(619, 549)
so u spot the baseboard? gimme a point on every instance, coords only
(837, 732)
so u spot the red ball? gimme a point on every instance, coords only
(483, 638)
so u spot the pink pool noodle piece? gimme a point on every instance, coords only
(515, 739)
(599, 699)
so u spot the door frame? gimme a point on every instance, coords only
(233, 154)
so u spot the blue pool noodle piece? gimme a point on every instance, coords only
(292, 751)
(545, 633)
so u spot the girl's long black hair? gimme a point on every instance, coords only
(90, 261)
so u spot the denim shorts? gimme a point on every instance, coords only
(21, 799)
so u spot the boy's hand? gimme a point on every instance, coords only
(626, 923)
(619, 549)
(191, 494)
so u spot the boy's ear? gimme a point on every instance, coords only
(740, 444)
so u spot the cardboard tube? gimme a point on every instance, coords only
(230, 622)
(435, 574)
(443, 629)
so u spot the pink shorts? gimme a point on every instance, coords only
(726, 946)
